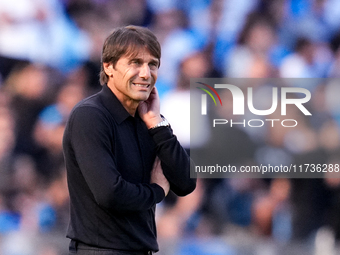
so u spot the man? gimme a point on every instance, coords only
(121, 155)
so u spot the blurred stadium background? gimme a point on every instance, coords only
(50, 59)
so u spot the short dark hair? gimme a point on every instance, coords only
(126, 41)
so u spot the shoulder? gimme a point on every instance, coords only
(89, 110)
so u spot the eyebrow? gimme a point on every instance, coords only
(154, 60)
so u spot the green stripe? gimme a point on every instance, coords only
(208, 94)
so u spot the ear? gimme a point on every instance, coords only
(108, 69)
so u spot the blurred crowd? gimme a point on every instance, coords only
(50, 59)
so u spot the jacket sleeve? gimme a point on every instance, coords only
(176, 163)
(91, 137)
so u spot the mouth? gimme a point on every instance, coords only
(142, 85)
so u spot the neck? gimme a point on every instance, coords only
(129, 104)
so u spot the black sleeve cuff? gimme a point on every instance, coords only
(160, 195)
(161, 134)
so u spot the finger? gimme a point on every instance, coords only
(156, 163)
(153, 92)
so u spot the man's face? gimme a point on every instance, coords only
(133, 77)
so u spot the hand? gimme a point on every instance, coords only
(149, 110)
(158, 177)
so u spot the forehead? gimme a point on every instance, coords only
(138, 52)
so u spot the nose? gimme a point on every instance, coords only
(144, 71)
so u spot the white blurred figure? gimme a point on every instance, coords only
(250, 57)
(300, 64)
(309, 60)
(18, 243)
(39, 31)
(176, 104)
(218, 18)
(177, 43)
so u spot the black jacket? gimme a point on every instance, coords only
(109, 156)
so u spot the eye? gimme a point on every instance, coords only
(153, 65)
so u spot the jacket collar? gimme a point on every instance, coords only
(113, 105)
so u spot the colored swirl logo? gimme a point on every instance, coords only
(209, 93)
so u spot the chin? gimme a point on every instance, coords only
(140, 99)
(143, 97)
